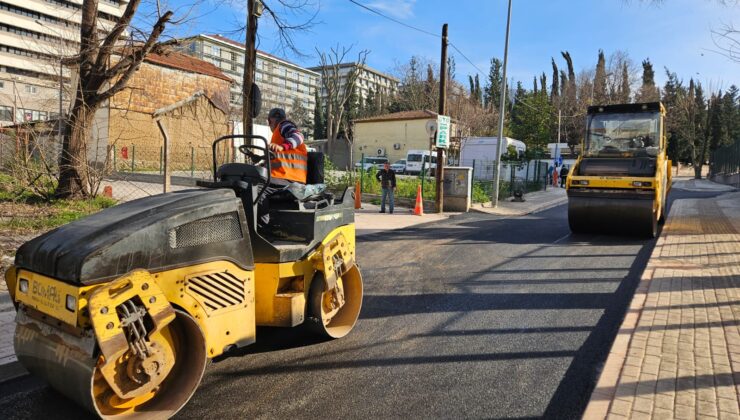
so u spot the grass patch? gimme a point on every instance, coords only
(43, 216)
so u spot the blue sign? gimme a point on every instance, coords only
(559, 160)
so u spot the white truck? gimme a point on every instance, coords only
(415, 159)
(480, 152)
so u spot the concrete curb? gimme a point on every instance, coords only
(542, 207)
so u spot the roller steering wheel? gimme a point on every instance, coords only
(246, 149)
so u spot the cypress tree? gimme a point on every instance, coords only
(600, 97)
(319, 118)
(492, 93)
(648, 91)
(543, 84)
(555, 91)
(624, 87)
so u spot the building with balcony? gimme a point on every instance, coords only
(383, 86)
(282, 83)
(33, 35)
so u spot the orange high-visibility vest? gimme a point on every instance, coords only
(289, 164)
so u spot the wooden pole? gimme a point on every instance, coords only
(250, 61)
(439, 172)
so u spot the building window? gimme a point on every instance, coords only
(216, 51)
(6, 113)
(31, 89)
(2, 84)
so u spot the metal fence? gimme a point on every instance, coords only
(725, 164)
(125, 171)
(525, 176)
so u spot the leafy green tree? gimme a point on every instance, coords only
(300, 115)
(531, 120)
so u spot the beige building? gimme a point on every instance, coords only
(382, 85)
(33, 35)
(282, 83)
(392, 135)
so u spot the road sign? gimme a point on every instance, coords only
(443, 131)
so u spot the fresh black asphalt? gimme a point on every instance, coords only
(472, 317)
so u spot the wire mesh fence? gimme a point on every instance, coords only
(514, 176)
(124, 171)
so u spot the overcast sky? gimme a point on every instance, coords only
(677, 34)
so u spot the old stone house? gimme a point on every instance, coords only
(127, 134)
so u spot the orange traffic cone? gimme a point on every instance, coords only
(358, 196)
(419, 208)
(108, 191)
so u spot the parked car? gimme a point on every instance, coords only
(399, 166)
(376, 161)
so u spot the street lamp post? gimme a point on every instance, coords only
(502, 110)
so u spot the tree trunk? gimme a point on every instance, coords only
(73, 176)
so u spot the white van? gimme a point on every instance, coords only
(414, 160)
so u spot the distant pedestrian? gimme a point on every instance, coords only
(550, 170)
(387, 179)
(563, 176)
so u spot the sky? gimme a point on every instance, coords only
(677, 34)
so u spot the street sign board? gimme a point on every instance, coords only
(443, 132)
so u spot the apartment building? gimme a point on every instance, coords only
(281, 82)
(33, 35)
(382, 85)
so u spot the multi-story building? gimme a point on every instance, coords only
(33, 35)
(282, 83)
(382, 85)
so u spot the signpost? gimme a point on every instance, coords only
(443, 132)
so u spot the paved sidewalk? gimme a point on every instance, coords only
(534, 202)
(677, 354)
(368, 219)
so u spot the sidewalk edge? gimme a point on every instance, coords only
(545, 206)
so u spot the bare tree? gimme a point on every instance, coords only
(98, 81)
(338, 87)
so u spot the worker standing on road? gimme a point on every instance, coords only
(387, 178)
(563, 176)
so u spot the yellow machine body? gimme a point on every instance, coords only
(62, 326)
(611, 191)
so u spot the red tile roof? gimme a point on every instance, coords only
(188, 63)
(403, 115)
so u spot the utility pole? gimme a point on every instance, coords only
(250, 62)
(439, 172)
(502, 111)
(557, 145)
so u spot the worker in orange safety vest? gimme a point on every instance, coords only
(288, 160)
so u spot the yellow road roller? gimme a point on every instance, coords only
(622, 177)
(120, 311)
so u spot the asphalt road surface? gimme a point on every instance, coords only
(473, 317)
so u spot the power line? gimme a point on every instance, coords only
(394, 20)
(467, 59)
(381, 14)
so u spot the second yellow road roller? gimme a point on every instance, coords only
(120, 311)
(622, 176)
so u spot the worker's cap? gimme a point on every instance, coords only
(277, 113)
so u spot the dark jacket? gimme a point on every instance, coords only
(387, 178)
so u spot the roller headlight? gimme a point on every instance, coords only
(23, 285)
(642, 184)
(579, 182)
(71, 303)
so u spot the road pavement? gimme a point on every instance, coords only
(475, 316)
